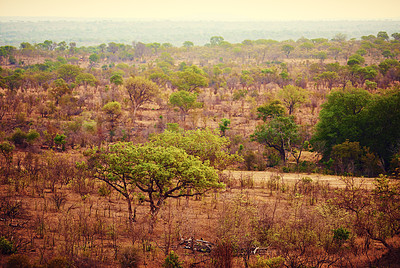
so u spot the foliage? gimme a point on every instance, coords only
(341, 234)
(224, 125)
(21, 138)
(140, 91)
(341, 118)
(60, 140)
(270, 110)
(190, 79)
(292, 96)
(357, 116)
(281, 133)
(205, 144)
(172, 261)
(185, 101)
(274, 262)
(86, 79)
(158, 172)
(6, 246)
(68, 72)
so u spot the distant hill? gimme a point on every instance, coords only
(15, 30)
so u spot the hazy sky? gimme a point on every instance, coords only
(206, 9)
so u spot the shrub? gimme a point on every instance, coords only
(341, 234)
(172, 261)
(6, 247)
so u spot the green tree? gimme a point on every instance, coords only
(185, 101)
(396, 36)
(281, 134)
(188, 44)
(292, 96)
(158, 172)
(60, 140)
(329, 77)
(58, 89)
(68, 72)
(383, 35)
(224, 125)
(270, 110)
(381, 126)
(93, 59)
(205, 144)
(287, 49)
(216, 40)
(6, 149)
(86, 79)
(117, 79)
(140, 91)
(190, 79)
(341, 118)
(172, 261)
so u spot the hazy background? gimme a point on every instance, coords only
(206, 9)
(176, 21)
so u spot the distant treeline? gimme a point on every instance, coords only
(15, 30)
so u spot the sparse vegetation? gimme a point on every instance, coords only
(155, 155)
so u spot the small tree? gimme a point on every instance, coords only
(292, 96)
(140, 91)
(113, 112)
(281, 133)
(224, 125)
(270, 110)
(185, 101)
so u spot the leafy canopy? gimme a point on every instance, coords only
(205, 144)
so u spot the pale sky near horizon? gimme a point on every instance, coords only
(205, 9)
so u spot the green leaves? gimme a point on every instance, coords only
(204, 144)
(159, 172)
(281, 133)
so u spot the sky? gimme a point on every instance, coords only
(235, 10)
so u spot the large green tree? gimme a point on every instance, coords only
(341, 119)
(358, 116)
(159, 172)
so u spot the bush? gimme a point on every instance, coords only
(341, 234)
(6, 247)
(172, 261)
